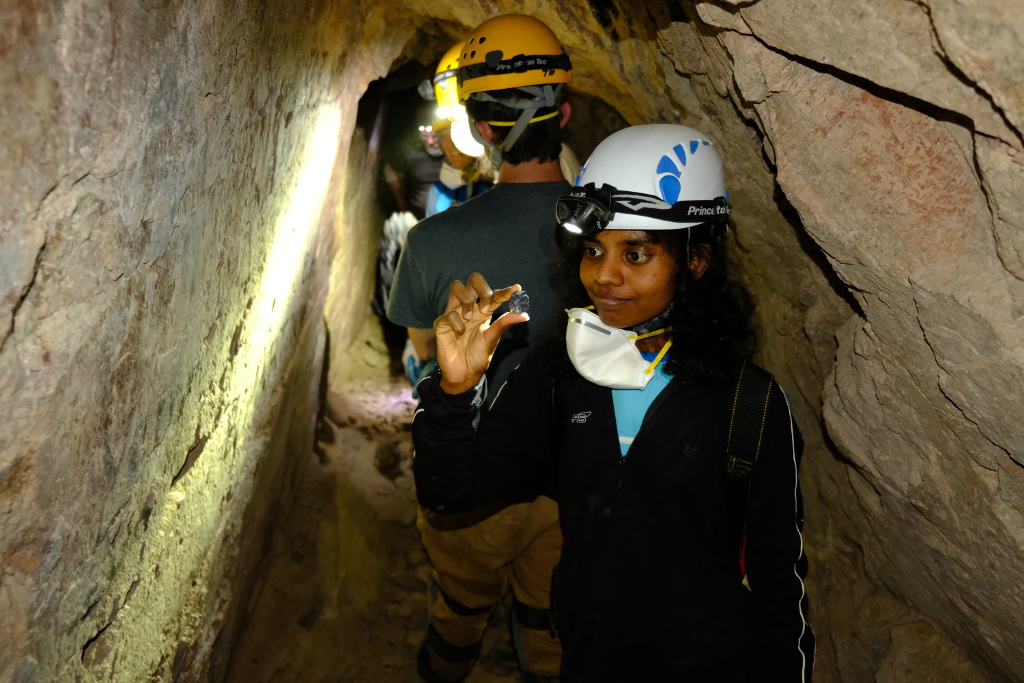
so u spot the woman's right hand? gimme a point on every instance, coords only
(466, 337)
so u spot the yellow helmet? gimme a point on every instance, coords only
(511, 51)
(449, 111)
(445, 91)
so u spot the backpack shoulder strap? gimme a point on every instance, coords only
(746, 424)
(746, 434)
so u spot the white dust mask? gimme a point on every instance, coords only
(451, 177)
(608, 356)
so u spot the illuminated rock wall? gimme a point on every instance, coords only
(166, 228)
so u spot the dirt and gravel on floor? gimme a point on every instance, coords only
(342, 593)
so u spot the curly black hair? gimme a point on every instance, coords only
(710, 315)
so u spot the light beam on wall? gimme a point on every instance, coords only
(296, 227)
(238, 417)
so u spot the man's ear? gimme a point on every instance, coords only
(486, 132)
(566, 112)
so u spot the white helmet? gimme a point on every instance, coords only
(650, 177)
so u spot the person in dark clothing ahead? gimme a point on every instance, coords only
(632, 409)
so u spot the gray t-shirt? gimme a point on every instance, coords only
(508, 235)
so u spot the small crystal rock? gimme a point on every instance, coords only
(519, 303)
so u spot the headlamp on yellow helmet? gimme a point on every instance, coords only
(445, 91)
(450, 113)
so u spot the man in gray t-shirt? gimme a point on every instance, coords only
(508, 234)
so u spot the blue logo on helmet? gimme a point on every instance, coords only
(669, 172)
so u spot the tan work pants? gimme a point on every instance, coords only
(475, 555)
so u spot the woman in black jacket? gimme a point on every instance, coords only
(667, 573)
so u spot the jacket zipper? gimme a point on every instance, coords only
(672, 387)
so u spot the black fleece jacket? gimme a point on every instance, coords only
(648, 586)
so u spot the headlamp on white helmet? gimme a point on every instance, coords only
(587, 209)
(650, 177)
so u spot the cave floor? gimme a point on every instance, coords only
(342, 593)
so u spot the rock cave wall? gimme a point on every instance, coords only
(893, 131)
(181, 184)
(173, 181)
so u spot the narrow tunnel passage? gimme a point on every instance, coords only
(185, 203)
(343, 596)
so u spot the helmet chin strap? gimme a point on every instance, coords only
(493, 151)
(517, 130)
(538, 96)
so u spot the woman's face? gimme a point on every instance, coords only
(455, 157)
(629, 277)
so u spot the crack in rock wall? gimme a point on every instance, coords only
(883, 172)
(166, 231)
(890, 154)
